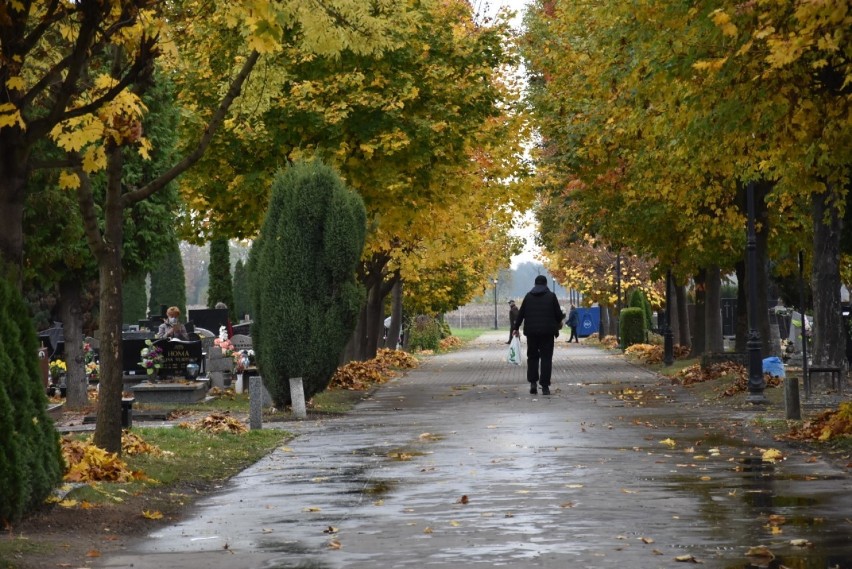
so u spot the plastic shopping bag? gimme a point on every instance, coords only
(515, 355)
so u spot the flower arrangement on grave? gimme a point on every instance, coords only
(224, 344)
(57, 368)
(152, 357)
(93, 370)
(243, 360)
(88, 352)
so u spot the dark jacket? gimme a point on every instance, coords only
(540, 313)
(513, 315)
(572, 318)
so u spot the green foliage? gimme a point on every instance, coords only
(134, 299)
(242, 296)
(30, 462)
(221, 287)
(304, 295)
(639, 300)
(168, 283)
(632, 326)
(426, 333)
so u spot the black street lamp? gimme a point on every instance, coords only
(495, 303)
(756, 383)
(668, 338)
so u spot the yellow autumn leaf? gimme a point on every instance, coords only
(772, 455)
(10, 115)
(68, 503)
(155, 515)
(94, 159)
(669, 443)
(15, 84)
(69, 181)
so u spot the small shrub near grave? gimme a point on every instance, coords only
(425, 334)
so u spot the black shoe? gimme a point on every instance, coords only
(545, 390)
(509, 342)
(533, 390)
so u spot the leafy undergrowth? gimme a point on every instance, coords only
(734, 376)
(827, 426)
(652, 354)
(360, 376)
(450, 343)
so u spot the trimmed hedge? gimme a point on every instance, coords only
(30, 459)
(632, 325)
(304, 295)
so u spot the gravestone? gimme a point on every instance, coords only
(241, 342)
(177, 354)
(209, 318)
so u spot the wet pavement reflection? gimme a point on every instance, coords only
(457, 465)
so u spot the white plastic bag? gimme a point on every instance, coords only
(515, 355)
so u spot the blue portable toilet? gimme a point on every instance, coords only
(588, 321)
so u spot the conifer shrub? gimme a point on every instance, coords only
(30, 459)
(638, 299)
(305, 299)
(221, 284)
(168, 282)
(632, 323)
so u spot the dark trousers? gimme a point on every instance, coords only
(574, 335)
(539, 353)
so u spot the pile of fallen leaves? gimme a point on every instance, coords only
(396, 359)
(825, 426)
(450, 342)
(359, 376)
(216, 423)
(86, 462)
(222, 393)
(653, 353)
(696, 374)
(740, 384)
(609, 342)
(132, 445)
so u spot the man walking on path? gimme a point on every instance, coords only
(513, 315)
(541, 315)
(572, 324)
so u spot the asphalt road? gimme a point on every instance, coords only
(457, 465)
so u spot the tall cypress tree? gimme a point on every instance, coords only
(303, 278)
(242, 297)
(221, 288)
(30, 460)
(168, 284)
(134, 298)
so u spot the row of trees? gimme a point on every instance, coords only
(655, 116)
(406, 100)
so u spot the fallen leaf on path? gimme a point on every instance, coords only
(772, 455)
(93, 553)
(334, 544)
(760, 551)
(646, 540)
(801, 543)
(567, 505)
(687, 559)
(428, 530)
(463, 500)
(329, 529)
(668, 442)
(573, 485)
(155, 515)
(454, 523)
(311, 509)
(68, 503)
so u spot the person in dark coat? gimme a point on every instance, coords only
(513, 315)
(573, 321)
(542, 317)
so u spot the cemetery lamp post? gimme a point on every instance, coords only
(668, 339)
(756, 384)
(495, 302)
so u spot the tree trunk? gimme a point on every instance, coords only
(699, 344)
(761, 215)
(685, 339)
(612, 318)
(396, 316)
(674, 313)
(829, 341)
(713, 310)
(375, 320)
(76, 382)
(108, 254)
(603, 324)
(742, 310)
(13, 180)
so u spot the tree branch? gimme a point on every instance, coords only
(86, 200)
(51, 17)
(188, 161)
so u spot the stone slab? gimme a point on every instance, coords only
(169, 392)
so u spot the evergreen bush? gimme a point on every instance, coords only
(302, 272)
(632, 326)
(221, 287)
(426, 333)
(168, 282)
(30, 460)
(242, 297)
(134, 300)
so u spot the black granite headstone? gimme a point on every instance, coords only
(177, 354)
(209, 318)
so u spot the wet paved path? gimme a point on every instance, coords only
(578, 479)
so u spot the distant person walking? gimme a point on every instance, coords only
(573, 319)
(541, 316)
(513, 315)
